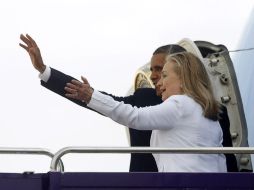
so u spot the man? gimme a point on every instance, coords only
(56, 81)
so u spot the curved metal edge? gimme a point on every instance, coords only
(208, 49)
(244, 141)
(238, 97)
(146, 79)
(222, 50)
(37, 151)
(57, 157)
(207, 150)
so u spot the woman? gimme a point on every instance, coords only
(188, 116)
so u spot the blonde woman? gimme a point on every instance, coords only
(186, 118)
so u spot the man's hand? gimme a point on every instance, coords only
(33, 51)
(79, 91)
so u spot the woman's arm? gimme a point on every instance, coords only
(162, 117)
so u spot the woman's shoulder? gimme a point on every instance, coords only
(184, 102)
(181, 98)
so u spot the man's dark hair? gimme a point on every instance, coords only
(169, 49)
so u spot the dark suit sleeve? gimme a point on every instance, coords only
(58, 80)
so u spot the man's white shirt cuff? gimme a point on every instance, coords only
(45, 75)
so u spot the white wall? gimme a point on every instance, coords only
(244, 68)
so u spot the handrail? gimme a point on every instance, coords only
(207, 150)
(37, 151)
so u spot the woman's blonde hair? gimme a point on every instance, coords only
(195, 82)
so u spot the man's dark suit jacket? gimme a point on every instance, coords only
(141, 98)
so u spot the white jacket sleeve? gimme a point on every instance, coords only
(162, 116)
